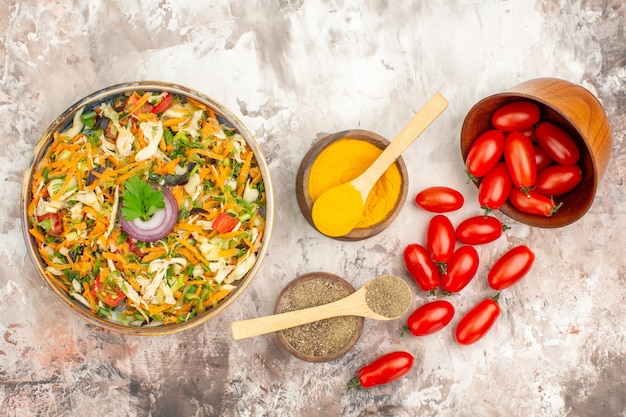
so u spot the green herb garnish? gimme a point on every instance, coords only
(141, 201)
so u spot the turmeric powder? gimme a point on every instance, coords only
(344, 160)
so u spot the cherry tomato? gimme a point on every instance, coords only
(440, 240)
(385, 369)
(225, 223)
(439, 199)
(478, 230)
(107, 290)
(477, 322)
(542, 160)
(423, 270)
(51, 222)
(533, 202)
(557, 143)
(510, 267)
(484, 153)
(461, 269)
(518, 115)
(495, 187)
(430, 318)
(519, 156)
(558, 179)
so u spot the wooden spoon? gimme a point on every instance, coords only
(358, 303)
(337, 211)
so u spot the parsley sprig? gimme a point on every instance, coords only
(140, 200)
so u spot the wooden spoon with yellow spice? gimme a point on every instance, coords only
(384, 298)
(337, 211)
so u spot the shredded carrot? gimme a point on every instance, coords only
(143, 100)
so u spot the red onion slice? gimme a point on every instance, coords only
(159, 225)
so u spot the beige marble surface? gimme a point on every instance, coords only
(295, 70)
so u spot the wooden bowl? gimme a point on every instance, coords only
(574, 109)
(302, 182)
(319, 333)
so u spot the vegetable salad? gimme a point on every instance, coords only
(94, 173)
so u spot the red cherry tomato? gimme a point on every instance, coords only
(461, 269)
(430, 318)
(533, 202)
(558, 179)
(440, 240)
(439, 199)
(107, 290)
(518, 115)
(484, 153)
(477, 322)
(495, 187)
(511, 267)
(519, 156)
(557, 143)
(421, 267)
(385, 369)
(478, 230)
(542, 160)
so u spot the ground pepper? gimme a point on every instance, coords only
(344, 160)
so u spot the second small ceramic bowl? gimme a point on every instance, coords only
(303, 194)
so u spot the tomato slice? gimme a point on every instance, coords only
(164, 104)
(439, 199)
(495, 187)
(484, 153)
(477, 322)
(51, 222)
(225, 223)
(519, 156)
(422, 269)
(107, 291)
(557, 143)
(558, 179)
(510, 267)
(518, 115)
(430, 318)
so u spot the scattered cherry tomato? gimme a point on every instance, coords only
(477, 322)
(518, 115)
(519, 156)
(484, 153)
(439, 199)
(542, 160)
(440, 240)
(423, 270)
(225, 223)
(511, 267)
(558, 179)
(107, 290)
(430, 318)
(461, 269)
(51, 222)
(557, 143)
(478, 230)
(385, 369)
(533, 202)
(495, 187)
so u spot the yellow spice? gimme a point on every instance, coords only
(343, 161)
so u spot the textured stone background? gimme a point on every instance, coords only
(295, 71)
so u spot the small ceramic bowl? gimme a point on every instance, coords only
(325, 340)
(575, 110)
(302, 181)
